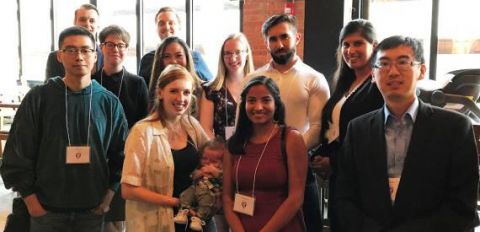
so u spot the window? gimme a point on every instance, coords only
(64, 16)
(10, 65)
(150, 35)
(458, 30)
(39, 30)
(223, 18)
(390, 17)
(458, 36)
(35, 38)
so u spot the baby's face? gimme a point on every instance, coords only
(213, 157)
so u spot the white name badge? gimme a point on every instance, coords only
(78, 155)
(393, 184)
(244, 204)
(229, 131)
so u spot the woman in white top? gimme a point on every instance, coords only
(160, 153)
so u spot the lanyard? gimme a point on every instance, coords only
(226, 104)
(121, 81)
(256, 167)
(89, 113)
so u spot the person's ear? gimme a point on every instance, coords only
(298, 37)
(423, 71)
(159, 94)
(59, 56)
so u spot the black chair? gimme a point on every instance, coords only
(463, 89)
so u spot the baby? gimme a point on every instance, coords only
(201, 199)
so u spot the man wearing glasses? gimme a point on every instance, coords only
(64, 153)
(132, 92)
(408, 166)
(86, 16)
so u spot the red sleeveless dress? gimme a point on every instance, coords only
(271, 187)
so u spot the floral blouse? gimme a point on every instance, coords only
(224, 109)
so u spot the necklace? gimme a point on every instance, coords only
(174, 130)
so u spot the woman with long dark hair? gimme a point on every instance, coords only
(354, 94)
(265, 165)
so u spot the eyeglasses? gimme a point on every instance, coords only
(237, 53)
(73, 51)
(401, 64)
(112, 45)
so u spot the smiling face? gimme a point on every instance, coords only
(87, 18)
(398, 85)
(174, 54)
(167, 24)
(176, 96)
(356, 51)
(234, 55)
(260, 105)
(113, 50)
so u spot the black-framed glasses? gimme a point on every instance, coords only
(73, 51)
(237, 53)
(400, 64)
(112, 45)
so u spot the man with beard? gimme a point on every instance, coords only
(304, 92)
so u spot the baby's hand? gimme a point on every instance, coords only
(211, 170)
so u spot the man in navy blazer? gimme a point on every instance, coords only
(408, 166)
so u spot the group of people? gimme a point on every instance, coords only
(97, 148)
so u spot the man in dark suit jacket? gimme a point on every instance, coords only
(408, 166)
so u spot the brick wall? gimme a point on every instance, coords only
(255, 12)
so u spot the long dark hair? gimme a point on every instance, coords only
(244, 127)
(158, 64)
(344, 75)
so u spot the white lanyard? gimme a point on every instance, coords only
(226, 104)
(89, 114)
(121, 81)
(256, 167)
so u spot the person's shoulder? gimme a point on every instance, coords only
(53, 54)
(291, 132)
(444, 115)
(132, 77)
(308, 71)
(189, 119)
(262, 71)
(364, 118)
(149, 55)
(99, 89)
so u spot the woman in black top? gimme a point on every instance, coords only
(354, 94)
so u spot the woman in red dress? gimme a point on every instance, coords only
(265, 165)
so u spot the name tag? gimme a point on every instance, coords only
(78, 155)
(244, 204)
(393, 184)
(229, 131)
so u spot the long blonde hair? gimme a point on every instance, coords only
(217, 83)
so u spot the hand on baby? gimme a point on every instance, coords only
(210, 170)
